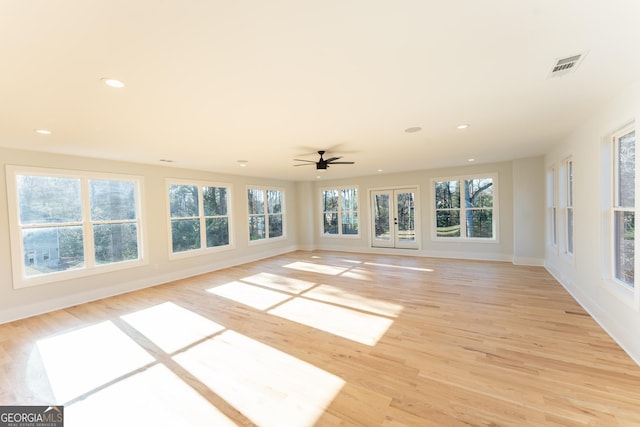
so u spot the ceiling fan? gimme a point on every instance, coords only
(323, 164)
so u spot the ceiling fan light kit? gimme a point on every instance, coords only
(322, 164)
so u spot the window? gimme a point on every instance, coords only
(551, 204)
(623, 208)
(67, 224)
(568, 169)
(464, 208)
(199, 216)
(340, 212)
(266, 217)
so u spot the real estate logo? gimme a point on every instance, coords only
(31, 416)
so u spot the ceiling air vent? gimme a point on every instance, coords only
(566, 65)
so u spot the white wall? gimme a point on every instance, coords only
(528, 211)
(585, 275)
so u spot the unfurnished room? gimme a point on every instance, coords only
(337, 213)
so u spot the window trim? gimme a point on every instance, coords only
(339, 189)
(567, 204)
(91, 267)
(203, 250)
(495, 210)
(613, 208)
(266, 239)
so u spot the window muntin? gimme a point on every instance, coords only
(340, 212)
(266, 213)
(623, 209)
(199, 215)
(69, 223)
(464, 208)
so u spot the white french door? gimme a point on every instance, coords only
(394, 214)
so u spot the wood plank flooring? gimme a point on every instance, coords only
(328, 339)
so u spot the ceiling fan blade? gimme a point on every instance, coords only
(301, 160)
(332, 159)
(304, 164)
(343, 163)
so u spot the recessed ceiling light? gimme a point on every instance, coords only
(166, 160)
(318, 177)
(462, 126)
(471, 160)
(379, 170)
(43, 131)
(113, 83)
(243, 163)
(413, 129)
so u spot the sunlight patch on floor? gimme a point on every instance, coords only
(346, 323)
(80, 361)
(280, 283)
(403, 267)
(335, 295)
(269, 387)
(172, 327)
(253, 296)
(358, 274)
(155, 397)
(316, 268)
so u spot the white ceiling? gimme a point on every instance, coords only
(212, 82)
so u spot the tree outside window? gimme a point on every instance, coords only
(624, 207)
(340, 212)
(266, 216)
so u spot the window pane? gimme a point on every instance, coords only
(570, 182)
(183, 200)
(448, 223)
(275, 226)
(381, 213)
(479, 223)
(624, 225)
(570, 230)
(330, 223)
(112, 200)
(626, 151)
(447, 194)
(478, 193)
(330, 200)
(274, 202)
(51, 249)
(217, 232)
(350, 223)
(256, 201)
(257, 227)
(115, 242)
(44, 199)
(214, 201)
(185, 234)
(350, 199)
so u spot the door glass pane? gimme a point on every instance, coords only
(448, 223)
(52, 249)
(624, 246)
(406, 217)
(381, 217)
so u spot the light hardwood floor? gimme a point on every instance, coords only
(328, 338)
